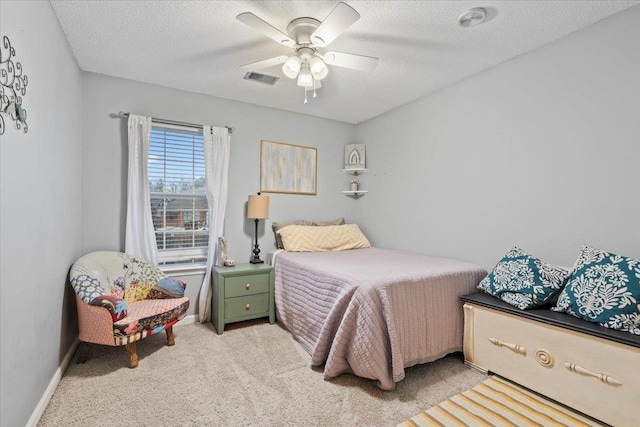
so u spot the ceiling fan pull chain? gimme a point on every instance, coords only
(314, 88)
(305, 94)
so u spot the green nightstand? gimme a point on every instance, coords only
(241, 293)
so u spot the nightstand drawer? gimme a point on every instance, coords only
(246, 306)
(246, 285)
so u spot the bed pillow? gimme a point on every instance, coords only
(300, 238)
(604, 288)
(337, 221)
(277, 226)
(524, 281)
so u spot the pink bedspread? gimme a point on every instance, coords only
(373, 312)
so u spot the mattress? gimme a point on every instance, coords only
(373, 312)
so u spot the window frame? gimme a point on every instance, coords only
(190, 259)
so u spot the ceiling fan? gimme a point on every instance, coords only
(306, 36)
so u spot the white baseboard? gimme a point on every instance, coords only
(188, 320)
(51, 388)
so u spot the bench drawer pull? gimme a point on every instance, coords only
(584, 371)
(513, 347)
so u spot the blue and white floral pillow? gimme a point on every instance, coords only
(604, 288)
(524, 281)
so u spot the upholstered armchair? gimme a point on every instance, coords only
(122, 299)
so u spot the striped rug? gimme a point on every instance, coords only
(498, 402)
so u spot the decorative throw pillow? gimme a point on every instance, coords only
(300, 238)
(604, 288)
(137, 292)
(276, 226)
(524, 281)
(167, 287)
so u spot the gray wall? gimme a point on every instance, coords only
(105, 161)
(541, 151)
(40, 176)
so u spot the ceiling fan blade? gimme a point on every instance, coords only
(350, 60)
(265, 28)
(265, 63)
(340, 18)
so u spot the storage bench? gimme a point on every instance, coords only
(585, 366)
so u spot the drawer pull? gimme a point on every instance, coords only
(513, 347)
(584, 371)
(247, 307)
(247, 286)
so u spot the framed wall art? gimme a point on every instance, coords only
(354, 156)
(287, 168)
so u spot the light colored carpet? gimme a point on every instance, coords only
(254, 374)
(499, 402)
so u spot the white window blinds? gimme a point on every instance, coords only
(177, 188)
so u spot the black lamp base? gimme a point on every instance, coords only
(255, 259)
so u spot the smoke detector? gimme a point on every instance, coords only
(472, 17)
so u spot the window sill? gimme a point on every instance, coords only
(184, 270)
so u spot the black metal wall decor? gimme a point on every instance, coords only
(13, 86)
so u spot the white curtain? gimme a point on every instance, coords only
(217, 144)
(140, 238)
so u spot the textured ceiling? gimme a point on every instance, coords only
(199, 46)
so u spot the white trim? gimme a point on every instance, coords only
(183, 269)
(184, 255)
(188, 320)
(53, 384)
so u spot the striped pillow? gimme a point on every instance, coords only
(300, 238)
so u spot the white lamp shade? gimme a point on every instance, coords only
(291, 67)
(319, 69)
(258, 207)
(305, 78)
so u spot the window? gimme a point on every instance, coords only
(178, 200)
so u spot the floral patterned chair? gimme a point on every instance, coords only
(122, 299)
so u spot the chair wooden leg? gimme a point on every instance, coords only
(133, 356)
(83, 352)
(170, 339)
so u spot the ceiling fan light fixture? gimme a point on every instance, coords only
(305, 78)
(318, 68)
(305, 35)
(291, 67)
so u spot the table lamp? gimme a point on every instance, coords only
(257, 209)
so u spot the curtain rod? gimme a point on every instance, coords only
(172, 122)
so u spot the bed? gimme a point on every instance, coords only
(373, 312)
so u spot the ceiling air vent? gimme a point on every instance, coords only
(261, 78)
